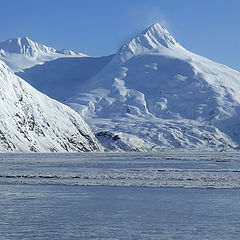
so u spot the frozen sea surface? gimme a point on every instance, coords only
(169, 195)
(166, 169)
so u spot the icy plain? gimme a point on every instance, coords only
(166, 169)
(167, 195)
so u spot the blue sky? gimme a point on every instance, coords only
(99, 27)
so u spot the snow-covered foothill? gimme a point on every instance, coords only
(32, 122)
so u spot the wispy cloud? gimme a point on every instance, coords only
(140, 17)
(145, 16)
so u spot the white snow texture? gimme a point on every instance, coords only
(151, 94)
(31, 121)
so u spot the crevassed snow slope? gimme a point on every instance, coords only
(31, 121)
(164, 95)
(22, 53)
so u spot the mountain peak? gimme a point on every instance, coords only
(156, 27)
(21, 53)
(152, 39)
(156, 35)
(25, 40)
(25, 46)
(18, 40)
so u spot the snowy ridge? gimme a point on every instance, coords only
(32, 122)
(26, 47)
(22, 53)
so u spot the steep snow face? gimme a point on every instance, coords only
(31, 121)
(22, 53)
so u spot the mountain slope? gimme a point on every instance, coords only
(22, 53)
(31, 121)
(61, 78)
(155, 89)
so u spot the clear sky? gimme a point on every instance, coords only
(99, 27)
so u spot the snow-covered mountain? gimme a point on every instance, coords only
(152, 93)
(22, 53)
(31, 121)
(156, 90)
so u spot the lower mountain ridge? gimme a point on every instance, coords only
(32, 122)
